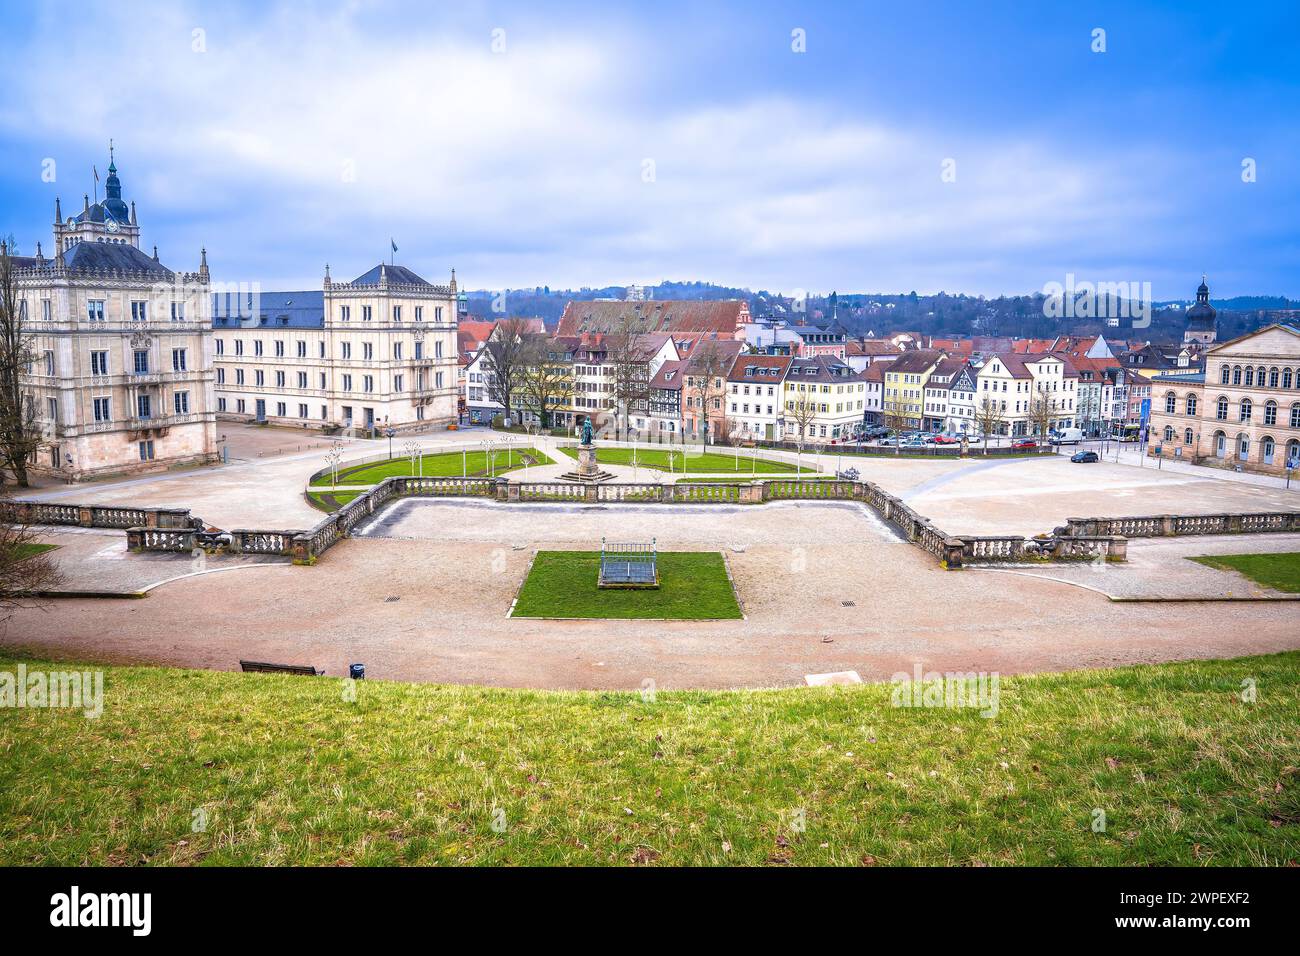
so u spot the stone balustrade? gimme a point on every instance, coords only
(93, 516)
(1161, 526)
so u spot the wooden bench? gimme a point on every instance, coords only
(260, 667)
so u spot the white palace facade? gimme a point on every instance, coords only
(121, 377)
(372, 354)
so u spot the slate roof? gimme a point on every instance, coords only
(396, 275)
(100, 212)
(669, 376)
(273, 310)
(821, 368)
(98, 256)
(759, 368)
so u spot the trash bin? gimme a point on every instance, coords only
(357, 671)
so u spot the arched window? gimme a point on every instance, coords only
(1236, 375)
(1223, 375)
(1293, 452)
(1272, 378)
(1259, 376)
(1191, 404)
(1169, 433)
(1266, 449)
(1246, 410)
(1250, 376)
(1286, 378)
(1270, 413)
(1295, 416)
(1243, 446)
(1171, 402)
(1188, 437)
(1221, 410)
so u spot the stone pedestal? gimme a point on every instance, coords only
(587, 460)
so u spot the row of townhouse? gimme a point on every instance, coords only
(1005, 393)
(1243, 411)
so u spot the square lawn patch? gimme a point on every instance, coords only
(693, 585)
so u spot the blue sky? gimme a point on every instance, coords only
(582, 145)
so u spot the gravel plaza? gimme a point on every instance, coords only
(422, 591)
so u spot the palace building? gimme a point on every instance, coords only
(122, 374)
(376, 353)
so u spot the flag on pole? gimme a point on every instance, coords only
(393, 243)
(95, 170)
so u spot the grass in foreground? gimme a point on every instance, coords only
(692, 586)
(1279, 571)
(669, 460)
(29, 549)
(447, 464)
(288, 771)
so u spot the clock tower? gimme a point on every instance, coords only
(111, 220)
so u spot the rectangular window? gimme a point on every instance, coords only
(141, 361)
(345, 313)
(279, 348)
(397, 313)
(321, 349)
(49, 362)
(257, 346)
(98, 363)
(302, 350)
(419, 351)
(302, 380)
(142, 407)
(437, 349)
(52, 408)
(239, 346)
(178, 311)
(221, 376)
(367, 350)
(146, 451)
(279, 379)
(397, 383)
(221, 347)
(368, 383)
(347, 350)
(280, 409)
(259, 377)
(239, 376)
(181, 402)
(103, 410)
(347, 383)
(46, 312)
(239, 405)
(365, 313)
(397, 351)
(221, 404)
(95, 310)
(178, 360)
(302, 411)
(419, 313)
(139, 312)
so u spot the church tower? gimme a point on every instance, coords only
(1202, 318)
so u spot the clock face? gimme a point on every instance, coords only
(112, 225)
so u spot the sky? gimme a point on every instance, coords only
(983, 148)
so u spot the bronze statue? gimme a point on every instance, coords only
(586, 431)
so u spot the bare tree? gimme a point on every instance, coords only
(1042, 411)
(706, 377)
(990, 414)
(802, 411)
(20, 435)
(545, 380)
(625, 350)
(505, 352)
(26, 571)
(895, 418)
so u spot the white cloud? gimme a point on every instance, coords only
(526, 167)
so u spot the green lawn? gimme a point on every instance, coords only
(692, 586)
(30, 549)
(440, 465)
(1278, 571)
(705, 462)
(288, 771)
(331, 501)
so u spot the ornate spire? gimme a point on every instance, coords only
(133, 221)
(327, 275)
(58, 211)
(453, 280)
(155, 252)
(203, 264)
(85, 202)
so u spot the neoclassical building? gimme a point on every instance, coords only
(122, 376)
(374, 353)
(1243, 410)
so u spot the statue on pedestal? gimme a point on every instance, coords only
(586, 431)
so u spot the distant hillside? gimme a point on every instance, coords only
(860, 314)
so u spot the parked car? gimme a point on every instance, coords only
(1085, 457)
(947, 440)
(1024, 444)
(848, 474)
